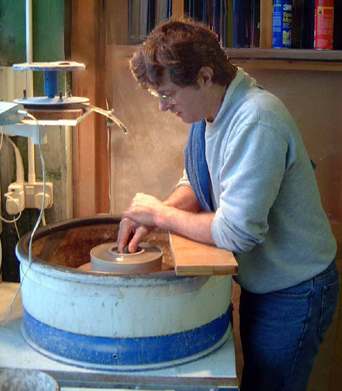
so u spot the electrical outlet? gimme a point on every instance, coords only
(34, 195)
(15, 198)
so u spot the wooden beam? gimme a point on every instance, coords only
(90, 164)
(334, 56)
(266, 10)
(195, 259)
(177, 8)
(288, 65)
(116, 14)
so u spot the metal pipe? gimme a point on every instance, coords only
(69, 212)
(29, 59)
(29, 40)
(50, 83)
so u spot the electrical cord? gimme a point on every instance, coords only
(10, 221)
(24, 270)
(16, 229)
(19, 179)
(40, 217)
(20, 176)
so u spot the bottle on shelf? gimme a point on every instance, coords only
(324, 24)
(282, 24)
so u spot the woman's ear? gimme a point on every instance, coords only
(205, 77)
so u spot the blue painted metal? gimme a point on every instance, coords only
(50, 83)
(124, 351)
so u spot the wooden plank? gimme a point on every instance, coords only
(280, 59)
(177, 8)
(286, 54)
(266, 9)
(116, 15)
(236, 292)
(194, 258)
(287, 65)
(90, 165)
(83, 45)
(102, 157)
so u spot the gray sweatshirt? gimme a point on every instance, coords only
(268, 208)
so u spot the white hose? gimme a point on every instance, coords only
(9, 309)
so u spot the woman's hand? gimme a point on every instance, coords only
(130, 235)
(146, 210)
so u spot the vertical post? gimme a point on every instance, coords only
(90, 164)
(50, 83)
(116, 22)
(28, 18)
(29, 88)
(178, 8)
(266, 10)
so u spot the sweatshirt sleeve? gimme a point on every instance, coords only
(250, 179)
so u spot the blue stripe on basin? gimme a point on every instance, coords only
(125, 351)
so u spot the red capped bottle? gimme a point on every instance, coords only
(324, 24)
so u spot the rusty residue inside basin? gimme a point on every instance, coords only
(70, 246)
(106, 321)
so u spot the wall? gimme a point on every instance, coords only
(315, 100)
(150, 157)
(48, 30)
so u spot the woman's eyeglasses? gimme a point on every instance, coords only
(162, 97)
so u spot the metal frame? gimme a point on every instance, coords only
(133, 382)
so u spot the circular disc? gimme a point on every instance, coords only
(49, 66)
(45, 102)
(106, 258)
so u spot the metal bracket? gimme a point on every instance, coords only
(27, 129)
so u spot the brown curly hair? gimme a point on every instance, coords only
(181, 47)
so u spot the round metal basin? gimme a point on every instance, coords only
(113, 322)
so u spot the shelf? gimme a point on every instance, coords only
(289, 59)
(277, 59)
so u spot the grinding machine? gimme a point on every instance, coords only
(87, 305)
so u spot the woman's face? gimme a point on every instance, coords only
(188, 103)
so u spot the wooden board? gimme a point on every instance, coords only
(266, 9)
(178, 8)
(90, 163)
(193, 258)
